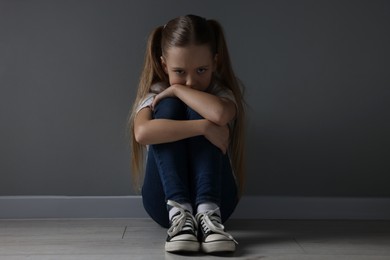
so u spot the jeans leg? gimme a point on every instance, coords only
(211, 173)
(166, 176)
(229, 190)
(171, 158)
(153, 195)
(206, 169)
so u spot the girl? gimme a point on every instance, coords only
(189, 114)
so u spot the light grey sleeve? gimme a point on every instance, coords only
(146, 102)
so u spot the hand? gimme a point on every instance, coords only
(168, 92)
(218, 135)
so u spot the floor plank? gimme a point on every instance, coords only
(87, 239)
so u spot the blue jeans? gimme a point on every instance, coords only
(191, 170)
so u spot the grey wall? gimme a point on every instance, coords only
(317, 86)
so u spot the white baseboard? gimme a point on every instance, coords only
(250, 207)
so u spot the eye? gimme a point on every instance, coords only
(201, 70)
(179, 72)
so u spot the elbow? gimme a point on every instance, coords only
(220, 119)
(223, 114)
(140, 135)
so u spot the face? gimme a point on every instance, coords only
(190, 66)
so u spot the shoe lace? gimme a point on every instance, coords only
(212, 222)
(183, 221)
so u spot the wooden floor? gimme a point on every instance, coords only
(91, 239)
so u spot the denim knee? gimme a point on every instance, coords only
(193, 115)
(170, 108)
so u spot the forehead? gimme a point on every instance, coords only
(189, 56)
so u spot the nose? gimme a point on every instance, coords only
(190, 80)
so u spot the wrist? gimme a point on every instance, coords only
(179, 90)
(175, 89)
(204, 126)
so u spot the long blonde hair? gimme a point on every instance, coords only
(180, 32)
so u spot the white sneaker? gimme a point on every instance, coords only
(182, 234)
(213, 237)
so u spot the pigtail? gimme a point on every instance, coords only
(226, 77)
(223, 63)
(152, 72)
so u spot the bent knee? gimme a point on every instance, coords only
(170, 108)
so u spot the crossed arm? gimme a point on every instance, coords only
(216, 111)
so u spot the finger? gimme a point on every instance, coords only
(155, 101)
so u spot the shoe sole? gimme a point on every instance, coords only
(182, 246)
(218, 247)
